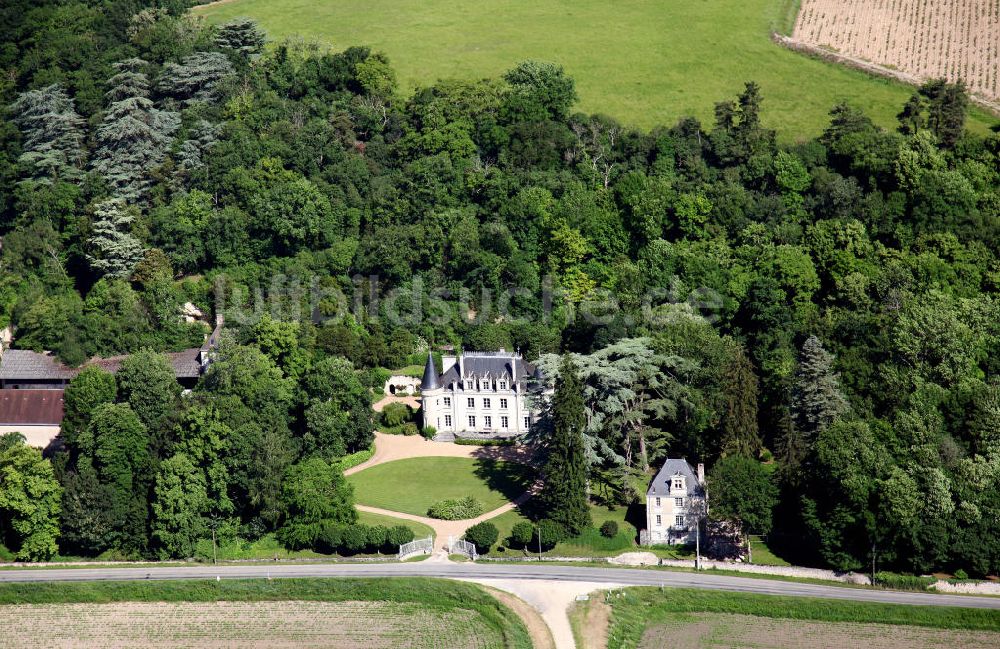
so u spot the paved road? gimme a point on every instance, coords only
(479, 571)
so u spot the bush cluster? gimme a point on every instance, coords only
(358, 538)
(902, 582)
(453, 509)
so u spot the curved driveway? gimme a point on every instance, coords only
(478, 571)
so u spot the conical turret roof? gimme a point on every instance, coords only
(430, 380)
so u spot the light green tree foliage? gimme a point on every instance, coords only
(29, 500)
(314, 492)
(792, 179)
(204, 440)
(541, 90)
(944, 338)
(339, 414)
(115, 250)
(280, 341)
(53, 134)
(247, 373)
(741, 491)
(179, 507)
(146, 381)
(88, 389)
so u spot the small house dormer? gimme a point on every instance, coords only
(677, 484)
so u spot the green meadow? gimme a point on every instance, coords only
(643, 62)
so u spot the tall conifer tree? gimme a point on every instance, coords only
(565, 493)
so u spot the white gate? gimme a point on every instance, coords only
(461, 546)
(420, 546)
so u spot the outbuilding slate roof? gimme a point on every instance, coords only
(660, 486)
(31, 407)
(26, 364)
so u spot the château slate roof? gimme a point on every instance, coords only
(492, 364)
(31, 407)
(660, 486)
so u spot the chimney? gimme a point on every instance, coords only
(461, 367)
(701, 473)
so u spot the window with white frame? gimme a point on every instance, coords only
(659, 520)
(503, 403)
(678, 502)
(657, 501)
(488, 421)
(486, 402)
(447, 402)
(468, 385)
(504, 422)
(527, 422)
(472, 421)
(503, 385)
(679, 521)
(471, 402)
(447, 421)
(678, 482)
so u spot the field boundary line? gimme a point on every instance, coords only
(869, 67)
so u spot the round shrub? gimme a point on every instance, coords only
(522, 533)
(398, 535)
(609, 529)
(551, 533)
(428, 432)
(378, 537)
(330, 537)
(394, 414)
(483, 535)
(961, 574)
(409, 428)
(354, 539)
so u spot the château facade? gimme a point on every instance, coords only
(483, 393)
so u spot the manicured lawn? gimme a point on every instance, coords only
(420, 530)
(413, 485)
(644, 62)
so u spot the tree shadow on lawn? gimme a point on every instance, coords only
(509, 478)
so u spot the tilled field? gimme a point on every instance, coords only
(954, 39)
(277, 624)
(702, 630)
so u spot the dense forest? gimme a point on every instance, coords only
(827, 308)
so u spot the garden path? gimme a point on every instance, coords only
(389, 448)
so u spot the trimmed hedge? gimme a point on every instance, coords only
(456, 509)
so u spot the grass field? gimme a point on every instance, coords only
(348, 613)
(420, 530)
(644, 617)
(644, 62)
(413, 485)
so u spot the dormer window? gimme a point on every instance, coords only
(503, 385)
(678, 483)
(468, 385)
